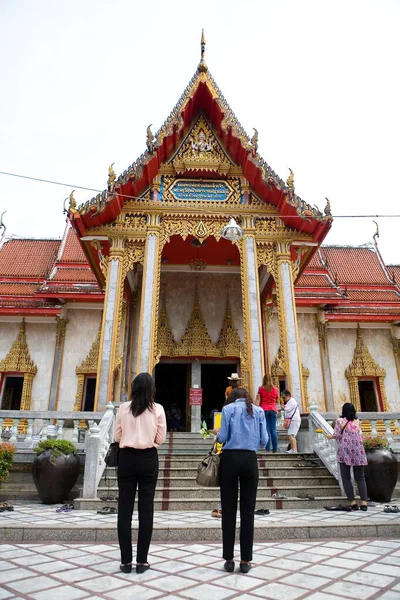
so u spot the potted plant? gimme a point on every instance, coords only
(55, 470)
(382, 469)
(7, 452)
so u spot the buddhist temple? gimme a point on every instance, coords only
(197, 261)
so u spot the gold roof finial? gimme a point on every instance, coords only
(327, 209)
(72, 201)
(202, 64)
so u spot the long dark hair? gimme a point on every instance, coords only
(143, 392)
(240, 393)
(349, 411)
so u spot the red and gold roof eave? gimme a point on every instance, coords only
(202, 95)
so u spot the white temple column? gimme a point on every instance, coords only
(253, 314)
(149, 300)
(288, 324)
(114, 288)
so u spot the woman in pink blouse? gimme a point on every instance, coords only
(140, 427)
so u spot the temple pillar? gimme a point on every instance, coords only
(149, 298)
(109, 329)
(57, 361)
(396, 349)
(288, 322)
(195, 410)
(252, 312)
(325, 361)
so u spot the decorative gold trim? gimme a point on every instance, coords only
(363, 365)
(61, 330)
(18, 360)
(89, 366)
(396, 354)
(229, 343)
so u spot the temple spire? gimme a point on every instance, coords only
(202, 68)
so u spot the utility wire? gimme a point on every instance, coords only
(88, 189)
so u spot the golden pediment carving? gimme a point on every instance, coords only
(201, 151)
(196, 340)
(89, 364)
(363, 365)
(18, 359)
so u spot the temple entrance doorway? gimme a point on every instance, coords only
(172, 391)
(368, 397)
(214, 381)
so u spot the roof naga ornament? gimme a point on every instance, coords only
(376, 234)
(254, 142)
(150, 140)
(290, 180)
(72, 201)
(111, 176)
(327, 209)
(2, 227)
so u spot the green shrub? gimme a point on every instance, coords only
(58, 447)
(7, 452)
(376, 442)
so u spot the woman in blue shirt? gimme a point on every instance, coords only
(242, 431)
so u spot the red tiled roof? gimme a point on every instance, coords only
(315, 262)
(74, 275)
(306, 280)
(394, 270)
(354, 265)
(28, 258)
(17, 289)
(373, 295)
(72, 250)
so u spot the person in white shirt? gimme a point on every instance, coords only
(292, 420)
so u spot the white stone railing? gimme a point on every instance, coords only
(97, 443)
(25, 428)
(326, 449)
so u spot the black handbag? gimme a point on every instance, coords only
(111, 458)
(208, 469)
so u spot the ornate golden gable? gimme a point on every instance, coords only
(196, 340)
(363, 365)
(87, 367)
(165, 338)
(18, 359)
(229, 343)
(201, 151)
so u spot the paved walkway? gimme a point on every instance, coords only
(316, 570)
(33, 521)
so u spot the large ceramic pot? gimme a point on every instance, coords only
(381, 474)
(55, 476)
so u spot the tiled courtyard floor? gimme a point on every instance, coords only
(316, 570)
(30, 522)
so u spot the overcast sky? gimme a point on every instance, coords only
(82, 79)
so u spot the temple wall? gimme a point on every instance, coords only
(179, 298)
(81, 331)
(311, 358)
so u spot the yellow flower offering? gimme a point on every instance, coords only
(319, 431)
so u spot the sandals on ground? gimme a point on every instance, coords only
(306, 496)
(65, 508)
(279, 496)
(391, 509)
(107, 510)
(262, 512)
(216, 513)
(6, 506)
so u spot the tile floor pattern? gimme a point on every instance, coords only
(312, 570)
(40, 514)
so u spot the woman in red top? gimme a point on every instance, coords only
(267, 396)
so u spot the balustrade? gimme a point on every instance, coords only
(26, 428)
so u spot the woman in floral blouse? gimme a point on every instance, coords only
(351, 453)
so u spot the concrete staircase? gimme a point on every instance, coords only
(177, 489)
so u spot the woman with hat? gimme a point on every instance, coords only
(234, 383)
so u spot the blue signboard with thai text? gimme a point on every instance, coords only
(209, 191)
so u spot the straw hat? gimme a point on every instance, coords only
(234, 377)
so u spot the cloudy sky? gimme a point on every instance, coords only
(319, 79)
